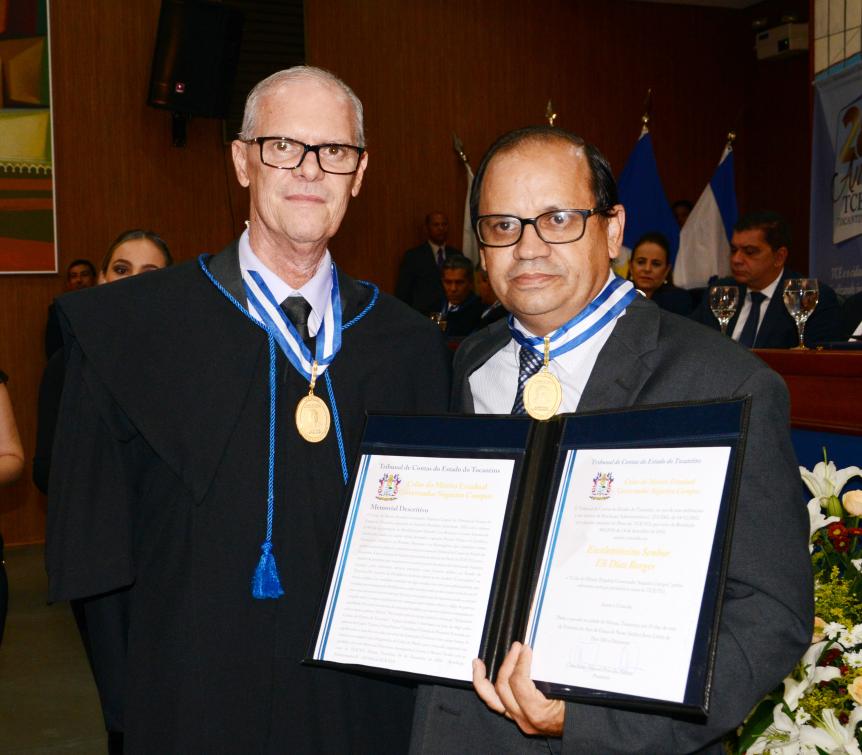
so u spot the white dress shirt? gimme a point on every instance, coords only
(316, 292)
(768, 292)
(495, 383)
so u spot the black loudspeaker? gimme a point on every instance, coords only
(196, 55)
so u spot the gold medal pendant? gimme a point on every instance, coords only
(312, 413)
(543, 393)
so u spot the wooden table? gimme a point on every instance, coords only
(825, 387)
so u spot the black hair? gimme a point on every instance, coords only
(602, 182)
(775, 229)
(654, 237)
(458, 262)
(132, 235)
(86, 263)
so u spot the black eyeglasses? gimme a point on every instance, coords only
(555, 227)
(288, 154)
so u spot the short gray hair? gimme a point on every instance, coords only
(300, 73)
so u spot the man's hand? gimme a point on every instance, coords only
(516, 697)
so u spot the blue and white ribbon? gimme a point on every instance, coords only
(267, 309)
(605, 308)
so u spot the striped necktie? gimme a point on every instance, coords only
(530, 363)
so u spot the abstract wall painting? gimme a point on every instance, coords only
(26, 154)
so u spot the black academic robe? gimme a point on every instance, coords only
(159, 480)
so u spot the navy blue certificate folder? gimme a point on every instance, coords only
(580, 519)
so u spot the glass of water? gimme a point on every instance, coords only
(722, 302)
(800, 298)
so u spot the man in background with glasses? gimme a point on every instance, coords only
(545, 209)
(209, 416)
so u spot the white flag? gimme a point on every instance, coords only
(704, 241)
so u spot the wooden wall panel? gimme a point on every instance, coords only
(427, 68)
(423, 70)
(115, 168)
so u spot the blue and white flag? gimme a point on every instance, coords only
(647, 208)
(469, 245)
(704, 241)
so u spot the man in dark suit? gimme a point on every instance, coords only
(612, 348)
(758, 251)
(462, 308)
(419, 275)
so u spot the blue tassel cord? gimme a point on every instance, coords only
(265, 583)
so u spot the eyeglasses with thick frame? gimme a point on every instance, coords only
(349, 153)
(490, 234)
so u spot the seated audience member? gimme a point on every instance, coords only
(681, 210)
(80, 274)
(419, 275)
(494, 309)
(758, 251)
(11, 464)
(102, 620)
(462, 309)
(851, 312)
(650, 271)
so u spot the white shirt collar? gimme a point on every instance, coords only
(770, 289)
(316, 291)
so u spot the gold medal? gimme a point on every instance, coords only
(543, 393)
(312, 413)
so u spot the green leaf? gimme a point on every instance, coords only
(756, 723)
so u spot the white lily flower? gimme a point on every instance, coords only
(813, 674)
(830, 735)
(781, 737)
(817, 521)
(825, 480)
(857, 563)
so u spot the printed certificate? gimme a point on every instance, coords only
(622, 579)
(414, 573)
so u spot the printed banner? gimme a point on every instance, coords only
(836, 181)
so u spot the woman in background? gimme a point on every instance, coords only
(132, 253)
(11, 465)
(650, 271)
(103, 620)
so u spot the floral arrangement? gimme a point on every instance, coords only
(818, 708)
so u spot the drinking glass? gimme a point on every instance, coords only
(722, 302)
(800, 297)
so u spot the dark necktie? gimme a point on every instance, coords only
(749, 330)
(530, 363)
(298, 310)
(441, 257)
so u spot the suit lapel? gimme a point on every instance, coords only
(773, 325)
(743, 291)
(622, 367)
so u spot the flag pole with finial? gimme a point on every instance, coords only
(550, 114)
(645, 118)
(469, 248)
